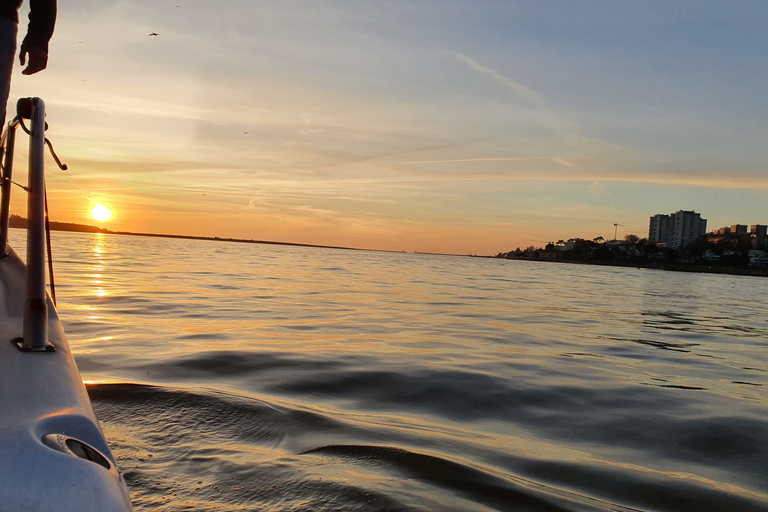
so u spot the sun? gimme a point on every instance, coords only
(101, 213)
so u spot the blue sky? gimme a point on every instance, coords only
(464, 127)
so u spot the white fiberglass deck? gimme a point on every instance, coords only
(53, 456)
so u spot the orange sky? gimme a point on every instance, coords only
(441, 127)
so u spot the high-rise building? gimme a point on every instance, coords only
(677, 230)
(662, 230)
(688, 227)
(739, 229)
(758, 229)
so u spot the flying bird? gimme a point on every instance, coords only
(154, 34)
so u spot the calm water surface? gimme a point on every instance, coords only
(236, 377)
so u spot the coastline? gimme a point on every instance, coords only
(670, 267)
(21, 223)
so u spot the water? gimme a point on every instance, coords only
(234, 377)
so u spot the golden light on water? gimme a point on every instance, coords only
(101, 212)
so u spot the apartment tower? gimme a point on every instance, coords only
(677, 230)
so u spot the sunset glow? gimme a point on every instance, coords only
(101, 213)
(443, 127)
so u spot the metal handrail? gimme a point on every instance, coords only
(8, 145)
(35, 337)
(36, 307)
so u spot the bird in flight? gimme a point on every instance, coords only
(154, 34)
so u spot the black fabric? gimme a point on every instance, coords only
(42, 18)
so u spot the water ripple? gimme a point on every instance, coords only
(290, 378)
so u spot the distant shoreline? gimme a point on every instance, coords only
(670, 267)
(20, 222)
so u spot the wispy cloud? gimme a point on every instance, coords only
(516, 87)
(564, 162)
(556, 160)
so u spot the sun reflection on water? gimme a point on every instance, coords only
(473, 361)
(99, 251)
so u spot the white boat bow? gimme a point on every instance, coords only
(53, 455)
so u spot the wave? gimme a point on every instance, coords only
(657, 416)
(182, 449)
(476, 485)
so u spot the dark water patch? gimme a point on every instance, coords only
(476, 485)
(664, 345)
(624, 417)
(219, 286)
(474, 316)
(734, 439)
(668, 318)
(302, 327)
(711, 356)
(580, 354)
(202, 336)
(627, 418)
(474, 298)
(237, 487)
(647, 490)
(679, 386)
(745, 330)
(467, 396)
(177, 413)
(197, 315)
(730, 444)
(181, 451)
(225, 364)
(441, 392)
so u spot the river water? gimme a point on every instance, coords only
(238, 377)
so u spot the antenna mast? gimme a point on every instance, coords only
(616, 229)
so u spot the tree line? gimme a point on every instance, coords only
(728, 252)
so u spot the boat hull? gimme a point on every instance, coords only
(53, 455)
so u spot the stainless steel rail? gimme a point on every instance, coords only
(35, 335)
(36, 307)
(8, 144)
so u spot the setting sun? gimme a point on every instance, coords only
(101, 213)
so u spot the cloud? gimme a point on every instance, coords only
(556, 160)
(598, 189)
(519, 89)
(562, 161)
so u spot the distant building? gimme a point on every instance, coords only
(677, 230)
(739, 229)
(759, 230)
(662, 230)
(688, 227)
